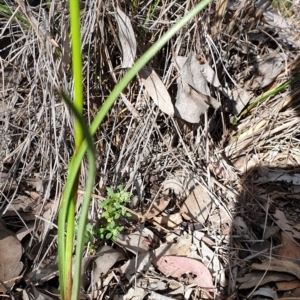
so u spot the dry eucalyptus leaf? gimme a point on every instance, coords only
(254, 279)
(173, 184)
(157, 90)
(136, 293)
(140, 264)
(282, 266)
(181, 247)
(285, 225)
(270, 69)
(193, 95)
(107, 257)
(266, 292)
(10, 264)
(190, 104)
(158, 207)
(138, 242)
(240, 99)
(210, 256)
(127, 39)
(197, 206)
(177, 266)
(24, 231)
(170, 221)
(180, 61)
(287, 285)
(197, 74)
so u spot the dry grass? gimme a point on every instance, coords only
(140, 147)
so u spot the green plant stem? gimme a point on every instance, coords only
(77, 66)
(67, 211)
(72, 177)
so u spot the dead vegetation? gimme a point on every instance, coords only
(215, 211)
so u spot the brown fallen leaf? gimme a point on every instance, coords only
(135, 293)
(240, 99)
(287, 285)
(170, 221)
(291, 295)
(107, 257)
(197, 206)
(289, 250)
(180, 248)
(10, 264)
(282, 266)
(254, 279)
(265, 292)
(193, 92)
(157, 90)
(198, 75)
(176, 266)
(140, 264)
(127, 39)
(285, 224)
(138, 242)
(190, 104)
(270, 68)
(158, 207)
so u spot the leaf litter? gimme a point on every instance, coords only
(209, 153)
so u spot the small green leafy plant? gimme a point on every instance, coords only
(113, 209)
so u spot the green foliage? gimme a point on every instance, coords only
(6, 12)
(112, 210)
(285, 7)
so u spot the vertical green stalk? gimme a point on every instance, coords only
(78, 105)
(77, 67)
(72, 177)
(67, 216)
